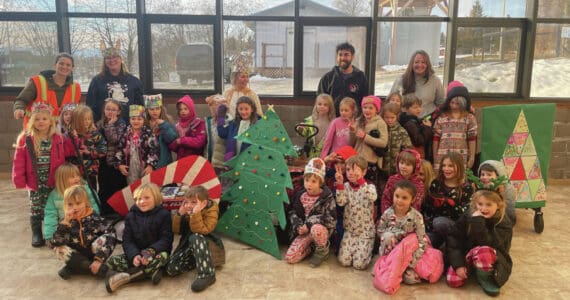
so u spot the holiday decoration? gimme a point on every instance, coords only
(261, 177)
(191, 170)
(521, 136)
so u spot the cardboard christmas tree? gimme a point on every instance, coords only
(258, 193)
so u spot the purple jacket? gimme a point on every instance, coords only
(23, 173)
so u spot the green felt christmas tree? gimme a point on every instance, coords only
(258, 193)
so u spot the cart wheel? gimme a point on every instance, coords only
(538, 221)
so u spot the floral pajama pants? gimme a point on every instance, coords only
(481, 257)
(301, 246)
(355, 251)
(195, 255)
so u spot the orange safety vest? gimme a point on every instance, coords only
(43, 94)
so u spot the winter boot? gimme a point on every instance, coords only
(37, 236)
(321, 254)
(64, 273)
(117, 280)
(79, 264)
(156, 276)
(487, 282)
(201, 284)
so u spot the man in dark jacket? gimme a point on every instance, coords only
(344, 80)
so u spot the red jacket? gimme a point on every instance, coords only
(23, 173)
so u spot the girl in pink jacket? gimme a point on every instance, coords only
(39, 152)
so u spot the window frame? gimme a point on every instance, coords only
(525, 61)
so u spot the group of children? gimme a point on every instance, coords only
(369, 174)
(389, 190)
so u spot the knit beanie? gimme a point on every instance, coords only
(346, 152)
(372, 100)
(453, 84)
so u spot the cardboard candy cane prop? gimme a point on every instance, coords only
(191, 170)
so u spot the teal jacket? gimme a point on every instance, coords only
(53, 212)
(165, 134)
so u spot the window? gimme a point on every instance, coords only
(397, 41)
(551, 61)
(259, 8)
(182, 56)
(88, 35)
(492, 8)
(187, 7)
(486, 58)
(266, 50)
(26, 48)
(319, 51)
(103, 6)
(394, 8)
(28, 6)
(336, 8)
(554, 9)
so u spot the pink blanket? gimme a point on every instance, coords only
(388, 269)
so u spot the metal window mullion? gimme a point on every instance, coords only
(218, 48)
(144, 44)
(451, 44)
(63, 34)
(527, 58)
(373, 48)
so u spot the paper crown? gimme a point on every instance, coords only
(316, 166)
(69, 107)
(41, 106)
(111, 51)
(242, 64)
(152, 101)
(136, 111)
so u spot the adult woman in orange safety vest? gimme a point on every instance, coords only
(56, 87)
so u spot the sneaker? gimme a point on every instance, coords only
(64, 273)
(487, 282)
(115, 281)
(201, 284)
(156, 276)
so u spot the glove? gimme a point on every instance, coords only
(228, 156)
(222, 110)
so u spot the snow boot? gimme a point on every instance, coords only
(487, 282)
(117, 280)
(321, 254)
(37, 236)
(201, 284)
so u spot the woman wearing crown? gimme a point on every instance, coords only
(114, 82)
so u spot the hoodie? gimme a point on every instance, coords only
(192, 132)
(388, 194)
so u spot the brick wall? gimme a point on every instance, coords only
(290, 115)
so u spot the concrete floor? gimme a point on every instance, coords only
(541, 267)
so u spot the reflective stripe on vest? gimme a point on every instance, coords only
(43, 88)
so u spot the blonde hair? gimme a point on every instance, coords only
(196, 191)
(62, 174)
(77, 118)
(492, 196)
(75, 193)
(350, 102)
(33, 132)
(154, 191)
(429, 175)
(104, 119)
(329, 102)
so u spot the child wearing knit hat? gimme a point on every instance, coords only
(458, 125)
(312, 216)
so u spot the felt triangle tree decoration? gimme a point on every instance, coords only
(269, 132)
(259, 192)
(261, 161)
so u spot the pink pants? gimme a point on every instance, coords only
(481, 257)
(301, 246)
